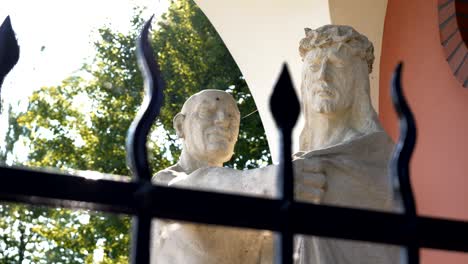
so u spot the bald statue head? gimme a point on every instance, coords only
(337, 61)
(208, 125)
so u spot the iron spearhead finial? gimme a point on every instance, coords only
(284, 103)
(9, 49)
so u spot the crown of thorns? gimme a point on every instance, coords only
(331, 34)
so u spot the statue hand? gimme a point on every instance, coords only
(310, 179)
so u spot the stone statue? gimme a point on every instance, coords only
(208, 125)
(342, 161)
(342, 135)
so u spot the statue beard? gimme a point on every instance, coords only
(324, 106)
(322, 97)
(332, 102)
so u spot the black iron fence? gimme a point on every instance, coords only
(145, 201)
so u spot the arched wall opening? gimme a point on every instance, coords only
(263, 34)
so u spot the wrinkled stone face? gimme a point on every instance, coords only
(330, 76)
(211, 127)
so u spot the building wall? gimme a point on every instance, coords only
(439, 167)
(367, 17)
(411, 34)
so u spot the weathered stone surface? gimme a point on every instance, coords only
(343, 134)
(208, 126)
(343, 160)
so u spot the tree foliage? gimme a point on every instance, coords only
(82, 124)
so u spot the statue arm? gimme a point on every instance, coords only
(254, 182)
(310, 180)
(165, 176)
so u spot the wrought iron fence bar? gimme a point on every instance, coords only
(137, 153)
(140, 240)
(399, 164)
(42, 187)
(230, 210)
(285, 117)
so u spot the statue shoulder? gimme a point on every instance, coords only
(163, 177)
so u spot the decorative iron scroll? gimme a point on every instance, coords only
(287, 217)
(137, 154)
(399, 165)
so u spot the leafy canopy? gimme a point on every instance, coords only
(82, 124)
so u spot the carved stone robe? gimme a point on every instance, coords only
(186, 243)
(357, 176)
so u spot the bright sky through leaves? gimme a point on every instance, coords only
(56, 37)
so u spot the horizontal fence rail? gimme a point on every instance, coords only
(54, 189)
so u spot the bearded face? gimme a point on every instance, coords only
(330, 77)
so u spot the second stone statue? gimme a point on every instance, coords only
(208, 125)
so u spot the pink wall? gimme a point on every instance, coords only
(439, 168)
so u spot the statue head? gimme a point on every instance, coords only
(337, 61)
(208, 124)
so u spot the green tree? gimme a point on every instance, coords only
(193, 57)
(18, 241)
(82, 124)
